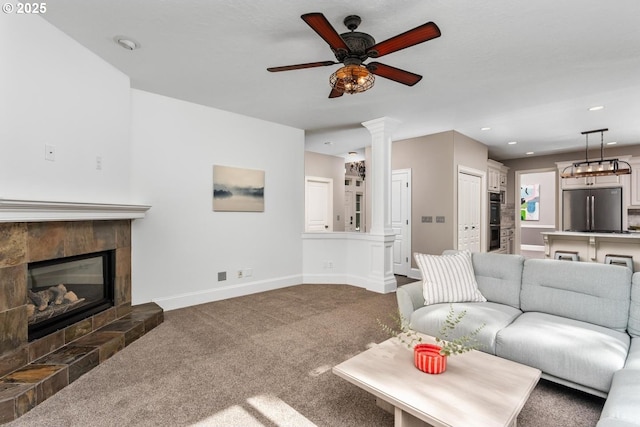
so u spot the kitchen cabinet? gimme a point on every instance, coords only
(503, 180)
(493, 180)
(635, 181)
(496, 176)
(506, 240)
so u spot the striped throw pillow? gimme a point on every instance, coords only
(448, 278)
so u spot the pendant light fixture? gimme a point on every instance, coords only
(601, 167)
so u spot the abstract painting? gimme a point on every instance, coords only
(238, 189)
(530, 202)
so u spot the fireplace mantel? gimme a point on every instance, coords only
(39, 210)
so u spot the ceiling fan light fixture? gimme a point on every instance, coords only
(352, 79)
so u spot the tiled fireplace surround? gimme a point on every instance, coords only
(30, 372)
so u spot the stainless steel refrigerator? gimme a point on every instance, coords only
(596, 210)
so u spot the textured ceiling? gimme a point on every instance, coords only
(528, 69)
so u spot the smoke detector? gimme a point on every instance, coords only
(126, 42)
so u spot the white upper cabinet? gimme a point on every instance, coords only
(635, 181)
(496, 176)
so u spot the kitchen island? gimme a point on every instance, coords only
(593, 247)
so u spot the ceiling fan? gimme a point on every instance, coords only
(353, 48)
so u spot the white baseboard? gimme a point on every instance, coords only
(532, 248)
(194, 298)
(353, 280)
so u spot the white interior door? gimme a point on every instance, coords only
(318, 210)
(469, 211)
(400, 213)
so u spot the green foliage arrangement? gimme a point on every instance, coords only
(410, 338)
(401, 330)
(461, 344)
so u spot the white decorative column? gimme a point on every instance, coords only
(380, 255)
(380, 173)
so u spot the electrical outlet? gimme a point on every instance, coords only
(440, 219)
(240, 274)
(99, 163)
(248, 272)
(50, 153)
(427, 219)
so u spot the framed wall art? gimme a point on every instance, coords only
(530, 202)
(238, 189)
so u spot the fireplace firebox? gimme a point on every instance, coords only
(63, 291)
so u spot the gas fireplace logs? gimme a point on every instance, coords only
(50, 302)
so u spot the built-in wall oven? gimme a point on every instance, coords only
(494, 209)
(494, 237)
(494, 221)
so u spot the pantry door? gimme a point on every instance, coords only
(469, 212)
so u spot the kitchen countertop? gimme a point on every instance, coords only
(628, 235)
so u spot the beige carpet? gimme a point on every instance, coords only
(260, 360)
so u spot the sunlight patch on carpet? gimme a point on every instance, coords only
(271, 409)
(279, 412)
(319, 370)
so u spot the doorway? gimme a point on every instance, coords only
(354, 194)
(318, 204)
(528, 238)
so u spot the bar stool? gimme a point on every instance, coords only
(623, 260)
(566, 256)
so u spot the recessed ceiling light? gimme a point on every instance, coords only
(612, 143)
(512, 142)
(597, 108)
(528, 153)
(126, 42)
(485, 128)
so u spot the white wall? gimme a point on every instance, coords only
(181, 245)
(54, 91)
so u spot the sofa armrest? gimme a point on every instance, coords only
(410, 298)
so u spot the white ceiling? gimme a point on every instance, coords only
(528, 69)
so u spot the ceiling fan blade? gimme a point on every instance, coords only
(409, 38)
(302, 66)
(321, 25)
(393, 73)
(335, 93)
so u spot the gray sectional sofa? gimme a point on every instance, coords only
(578, 322)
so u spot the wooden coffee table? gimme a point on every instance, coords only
(477, 389)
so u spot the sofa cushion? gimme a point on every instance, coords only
(448, 278)
(633, 358)
(591, 292)
(569, 349)
(623, 403)
(634, 310)
(499, 276)
(429, 319)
